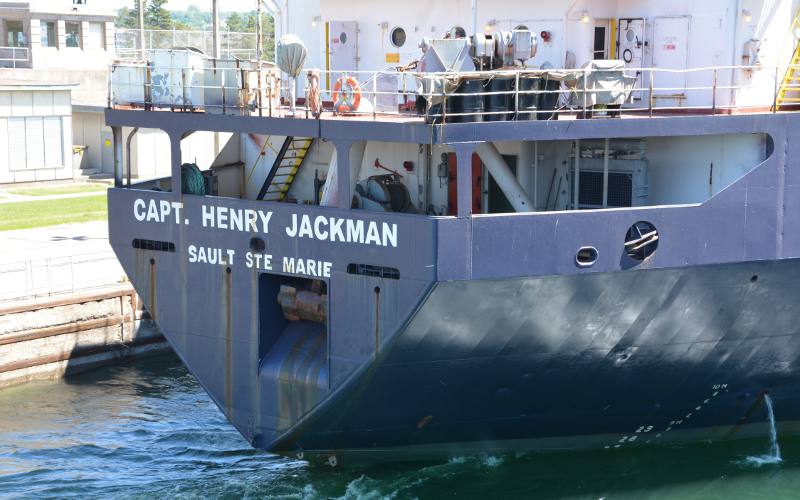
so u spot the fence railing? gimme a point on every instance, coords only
(46, 277)
(440, 97)
(13, 56)
(232, 44)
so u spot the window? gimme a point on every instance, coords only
(49, 34)
(398, 37)
(35, 142)
(72, 34)
(15, 36)
(97, 36)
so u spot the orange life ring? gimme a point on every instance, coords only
(346, 95)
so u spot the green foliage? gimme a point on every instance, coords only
(156, 16)
(195, 19)
(234, 22)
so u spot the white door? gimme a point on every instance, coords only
(343, 48)
(670, 51)
(630, 38)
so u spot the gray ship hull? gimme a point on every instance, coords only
(487, 336)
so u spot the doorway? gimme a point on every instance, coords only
(601, 48)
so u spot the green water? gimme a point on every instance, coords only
(149, 431)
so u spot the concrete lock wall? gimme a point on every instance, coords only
(73, 333)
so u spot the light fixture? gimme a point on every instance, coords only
(490, 25)
(315, 21)
(747, 15)
(585, 17)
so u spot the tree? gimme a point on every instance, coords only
(128, 18)
(156, 16)
(234, 22)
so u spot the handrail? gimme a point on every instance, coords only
(275, 166)
(700, 93)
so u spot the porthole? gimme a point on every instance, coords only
(586, 257)
(630, 35)
(641, 241)
(343, 38)
(398, 37)
(257, 244)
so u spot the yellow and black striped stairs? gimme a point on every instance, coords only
(284, 169)
(789, 92)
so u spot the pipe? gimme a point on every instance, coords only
(605, 174)
(536, 175)
(259, 31)
(140, 5)
(128, 156)
(566, 28)
(576, 189)
(504, 177)
(215, 28)
(116, 134)
(474, 17)
(274, 8)
(524, 167)
(734, 51)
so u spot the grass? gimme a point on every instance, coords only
(67, 189)
(28, 214)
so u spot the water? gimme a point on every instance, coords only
(773, 456)
(149, 431)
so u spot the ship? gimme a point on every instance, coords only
(470, 227)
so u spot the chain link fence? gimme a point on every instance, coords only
(232, 44)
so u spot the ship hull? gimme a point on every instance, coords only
(589, 361)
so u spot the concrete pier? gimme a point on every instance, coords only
(70, 333)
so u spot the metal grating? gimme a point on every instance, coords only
(620, 189)
(391, 273)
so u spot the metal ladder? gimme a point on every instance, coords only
(791, 80)
(284, 169)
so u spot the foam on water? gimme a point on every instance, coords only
(773, 455)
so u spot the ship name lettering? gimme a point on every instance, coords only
(307, 267)
(156, 210)
(258, 260)
(236, 219)
(344, 230)
(209, 255)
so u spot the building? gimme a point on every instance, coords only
(64, 42)
(35, 131)
(60, 42)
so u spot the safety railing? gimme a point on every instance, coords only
(441, 97)
(11, 57)
(232, 43)
(46, 277)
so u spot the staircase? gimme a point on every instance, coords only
(791, 80)
(284, 169)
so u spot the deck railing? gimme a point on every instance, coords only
(708, 90)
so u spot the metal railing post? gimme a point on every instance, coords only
(714, 94)
(585, 87)
(516, 95)
(775, 92)
(375, 96)
(650, 97)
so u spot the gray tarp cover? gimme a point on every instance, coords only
(606, 82)
(291, 55)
